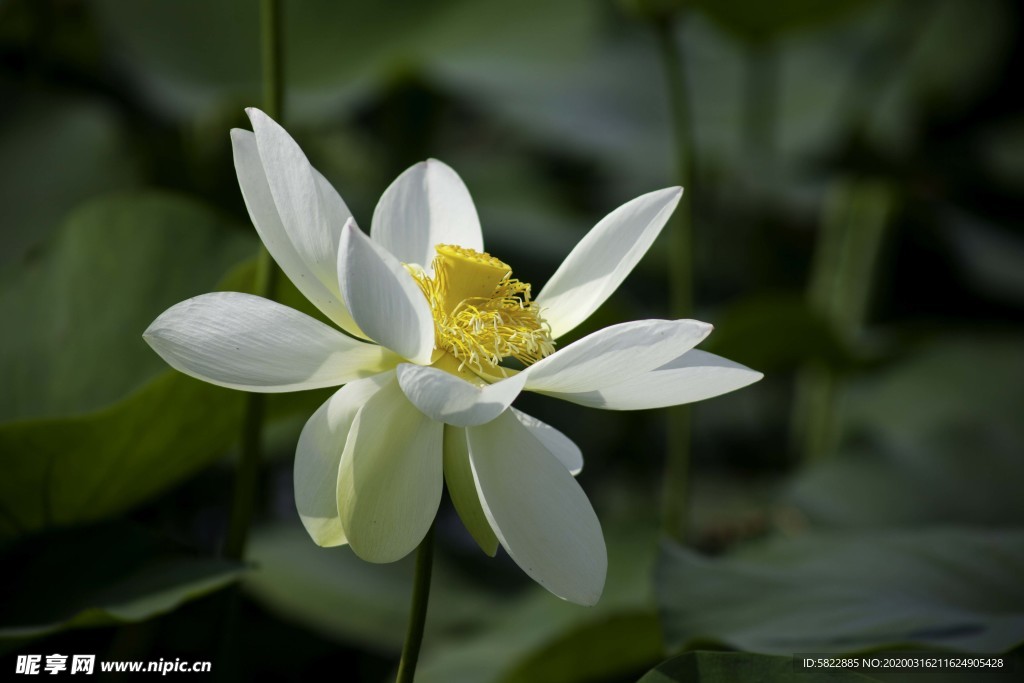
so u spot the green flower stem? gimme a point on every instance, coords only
(272, 30)
(677, 461)
(418, 610)
(853, 226)
(247, 477)
(760, 106)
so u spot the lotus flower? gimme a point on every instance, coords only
(429, 324)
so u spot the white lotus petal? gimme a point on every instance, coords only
(561, 446)
(458, 475)
(318, 456)
(383, 298)
(446, 398)
(322, 292)
(427, 205)
(537, 510)
(297, 213)
(390, 478)
(603, 258)
(614, 354)
(694, 376)
(245, 342)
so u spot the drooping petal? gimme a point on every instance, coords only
(425, 206)
(458, 475)
(561, 446)
(614, 354)
(694, 376)
(446, 398)
(383, 297)
(390, 478)
(242, 341)
(318, 456)
(603, 258)
(297, 213)
(537, 510)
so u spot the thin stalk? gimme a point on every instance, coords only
(760, 105)
(247, 476)
(845, 262)
(677, 461)
(418, 609)
(272, 30)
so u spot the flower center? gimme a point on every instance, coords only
(481, 314)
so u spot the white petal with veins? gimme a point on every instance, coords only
(425, 206)
(450, 399)
(603, 258)
(263, 212)
(309, 213)
(242, 341)
(561, 446)
(383, 298)
(537, 510)
(614, 354)
(694, 376)
(318, 456)
(390, 477)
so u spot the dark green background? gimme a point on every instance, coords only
(857, 204)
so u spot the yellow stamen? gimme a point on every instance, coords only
(481, 314)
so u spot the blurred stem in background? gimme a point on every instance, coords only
(761, 103)
(247, 478)
(677, 458)
(853, 226)
(881, 63)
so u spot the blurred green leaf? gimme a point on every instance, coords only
(928, 441)
(333, 592)
(75, 314)
(961, 477)
(776, 332)
(954, 588)
(960, 380)
(537, 637)
(600, 102)
(103, 575)
(57, 151)
(68, 471)
(933, 72)
(930, 73)
(992, 257)
(187, 52)
(1002, 148)
(733, 667)
(472, 635)
(760, 21)
(615, 645)
(197, 55)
